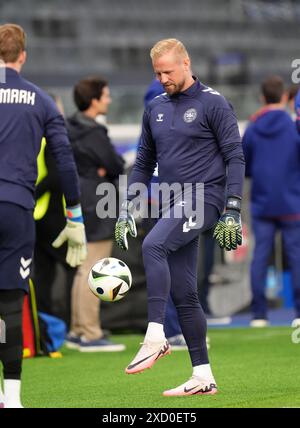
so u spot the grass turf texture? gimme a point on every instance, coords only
(253, 368)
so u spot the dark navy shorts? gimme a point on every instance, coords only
(17, 236)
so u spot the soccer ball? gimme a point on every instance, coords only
(110, 279)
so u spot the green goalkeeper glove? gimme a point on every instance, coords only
(228, 231)
(125, 224)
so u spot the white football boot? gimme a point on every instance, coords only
(147, 356)
(259, 323)
(194, 386)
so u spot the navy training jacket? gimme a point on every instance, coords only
(194, 138)
(27, 114)
(271, 146)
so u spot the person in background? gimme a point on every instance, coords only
(97, 162)
(292, 93)
(49, 215)
(272, 152)
(27, 115)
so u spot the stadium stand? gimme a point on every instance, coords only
(73, 39)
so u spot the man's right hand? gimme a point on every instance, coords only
(74, 234)
(125, 224)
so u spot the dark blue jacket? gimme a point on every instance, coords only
(27, 114)
(297, 110)
(272, 152)
(193, 136)
(154, 89)
(92, 150)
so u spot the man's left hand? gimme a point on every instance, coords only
(228, 231)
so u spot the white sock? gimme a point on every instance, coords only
(155, 332)
(203, 371)
(12, 391)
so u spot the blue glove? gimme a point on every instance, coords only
(228, 231)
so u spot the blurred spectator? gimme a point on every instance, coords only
(297, 110)
(272, 153)
(292, 92)
(49, 215)
(97, 162)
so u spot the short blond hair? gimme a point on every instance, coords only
(12, 42)
(167, 45)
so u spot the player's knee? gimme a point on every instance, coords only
(151, 248)
(185, 299)
(147, 246)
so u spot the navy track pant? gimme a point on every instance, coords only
(170, 253)
(264, 230)
(17, 235)
(11, 344)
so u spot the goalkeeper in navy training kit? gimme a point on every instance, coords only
(27, 115)
(191, 132)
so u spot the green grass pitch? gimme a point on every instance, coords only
(253, 368)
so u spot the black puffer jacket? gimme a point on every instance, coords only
(93, 150)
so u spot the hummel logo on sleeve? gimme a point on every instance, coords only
(160, 117)
(211, 91)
